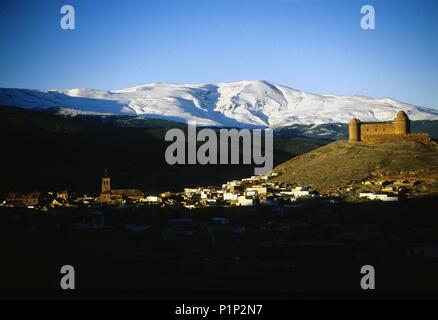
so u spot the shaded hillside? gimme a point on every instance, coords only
(44, 151)
(342, 164)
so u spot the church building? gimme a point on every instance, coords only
(117, 196)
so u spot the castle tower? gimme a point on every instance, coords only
(354, 130)
(402, 124)
(106, 182)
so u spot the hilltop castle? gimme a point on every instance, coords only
(377, 132)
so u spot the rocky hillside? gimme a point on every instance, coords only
(342, 167)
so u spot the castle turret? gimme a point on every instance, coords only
(402, 124)
(354, 130)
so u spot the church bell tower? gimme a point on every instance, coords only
(106, 182)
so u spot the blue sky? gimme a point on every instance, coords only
(313, 45)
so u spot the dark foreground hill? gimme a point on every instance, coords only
(341, 166)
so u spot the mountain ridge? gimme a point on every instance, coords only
(235, 104)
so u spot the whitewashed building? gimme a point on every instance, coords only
(244, 201)
(376, 196)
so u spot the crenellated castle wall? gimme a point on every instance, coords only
(377, 128)
(417, 137)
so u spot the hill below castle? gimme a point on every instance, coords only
(343, 168)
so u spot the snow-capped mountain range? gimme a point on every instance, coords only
(238, 104)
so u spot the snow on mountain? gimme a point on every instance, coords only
(238, 104)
